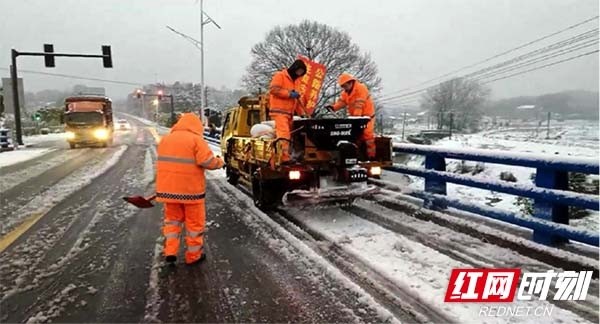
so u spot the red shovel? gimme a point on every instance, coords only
(140, 202)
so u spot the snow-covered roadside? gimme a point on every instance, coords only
(22, 155)
(13, 179)
(37, 139)
(411, 265)
(42, 203)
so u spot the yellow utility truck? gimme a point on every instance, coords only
(328, 164)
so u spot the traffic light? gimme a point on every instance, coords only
(159, 94)
(138, 93)
(37, 116)
(106, 56)
(49, 59)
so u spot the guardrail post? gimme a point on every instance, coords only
(553, 179)
(4, 139)
(435, 186)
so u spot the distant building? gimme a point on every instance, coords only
(528, 112)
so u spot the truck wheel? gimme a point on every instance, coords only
(72, 145)
(232, 176)
(260, 194)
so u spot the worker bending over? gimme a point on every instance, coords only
(359, 103)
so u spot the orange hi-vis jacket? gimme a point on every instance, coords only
(183, 155)
(358, 101)
(279, 94)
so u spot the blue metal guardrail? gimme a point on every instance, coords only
(4, 139)
(212, 139)
(550, 195)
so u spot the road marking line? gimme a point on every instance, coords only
(9, 238)
(154, 134)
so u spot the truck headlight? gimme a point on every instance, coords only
(70, 135)
(101, 134)
(375, 170)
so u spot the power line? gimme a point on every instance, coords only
(519, 73)
(67, 76)
(509, 64)
(539, 59)
(543, 66)
(501, 54)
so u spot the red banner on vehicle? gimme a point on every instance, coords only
(311, 83)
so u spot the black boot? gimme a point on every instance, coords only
(171, 259)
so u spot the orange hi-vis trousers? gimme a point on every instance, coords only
(368, 136)
(194, 218)
(283, 125)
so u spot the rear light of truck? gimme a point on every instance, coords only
(375, 170)
(294, 175)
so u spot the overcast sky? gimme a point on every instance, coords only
(410, 40)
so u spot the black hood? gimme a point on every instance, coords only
(298, 64)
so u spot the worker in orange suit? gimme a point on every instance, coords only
(284, 101)
(359, 103)
(183, 155)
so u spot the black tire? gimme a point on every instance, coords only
(232, 176)
(72, 145)
(267, 194)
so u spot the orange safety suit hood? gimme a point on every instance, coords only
(189, 122)
(345, 77)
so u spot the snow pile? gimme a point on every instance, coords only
(18, 156)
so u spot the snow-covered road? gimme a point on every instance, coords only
(77, 253)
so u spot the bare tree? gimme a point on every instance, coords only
(319, 42)
(456, 103)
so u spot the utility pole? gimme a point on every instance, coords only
(548, 126)
(202, 23)
(199, 44)
(403, 124)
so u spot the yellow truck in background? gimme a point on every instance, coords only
(88, 121)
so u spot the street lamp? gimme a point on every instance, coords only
(204, 19)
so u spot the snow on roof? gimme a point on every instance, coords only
(422, 113)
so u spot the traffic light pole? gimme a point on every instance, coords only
(141, 96)
(49, 57)
(15, 91)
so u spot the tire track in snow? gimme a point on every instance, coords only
(45, 200)
(297, 249)
(467, 249)
(85, 255)
(22, 186)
